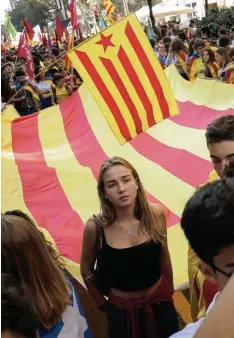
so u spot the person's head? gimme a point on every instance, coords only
(62, 70)
(224, 41)
(232, 32)
(220, 142)
(231, 54)
(6, 68)
(119, 187)
(40, 74)
(221, 56)
(21, 76)
(182, 36)
(199, 45)
(166, 39)
(191, 49)
(35, 264)
(19, 318)
(177, 46)
(222, 31)
(208, 55)
(61, 63)
(208, 224)
(47, 60)
(60, 80)
(206, 42)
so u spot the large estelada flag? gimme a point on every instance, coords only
(51, 173)
(125, 78)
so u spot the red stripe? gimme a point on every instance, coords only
(173, 160)
(107, 63)
(42, 191)
(182, 55)
(198, 117)
(85, 145)
(143, 58)
(105, 93)
(133, 77)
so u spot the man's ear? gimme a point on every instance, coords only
(207, 271)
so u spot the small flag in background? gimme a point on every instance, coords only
(109, 8)
(125, 77)
(9, 27)
(59, 28)
(73, 12)
(24, 51)
(29, 29)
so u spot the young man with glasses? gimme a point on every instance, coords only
(208, 224)
(220, 143)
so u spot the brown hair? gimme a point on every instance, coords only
(221, 129)
(149, 223)
(211, 54)
(223, 52)
(198, 43)
(35, 263)
(177, 45)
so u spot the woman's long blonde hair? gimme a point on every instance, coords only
(149, 223)
(31, 260)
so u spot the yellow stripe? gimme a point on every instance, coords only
(12, 192)
(108, 115)
(201, 92)
(174, 135)
(78, 182)
(155, 178)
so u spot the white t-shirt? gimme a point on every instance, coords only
(191, 329)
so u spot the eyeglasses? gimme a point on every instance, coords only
(228, 275)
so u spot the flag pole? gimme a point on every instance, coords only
(73, 35)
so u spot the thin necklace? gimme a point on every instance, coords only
(130, 233)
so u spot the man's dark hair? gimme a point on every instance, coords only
(232, 29)
(221, 129)
(20, 73)
(18, 313)
(208, 218)
(222, 31)
(198, 43)
(224, 41)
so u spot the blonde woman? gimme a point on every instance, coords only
(128, 240)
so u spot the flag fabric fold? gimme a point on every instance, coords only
(126, 79)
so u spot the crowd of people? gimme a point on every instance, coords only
(125, 261)
(191, 50)
(194, 53)
(54, 79)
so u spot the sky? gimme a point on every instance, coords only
(3, 6)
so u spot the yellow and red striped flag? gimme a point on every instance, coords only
(109, 8)
(125, 78)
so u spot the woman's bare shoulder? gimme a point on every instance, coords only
(157, 209)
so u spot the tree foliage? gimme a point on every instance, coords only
(36, 12)
(218, 17)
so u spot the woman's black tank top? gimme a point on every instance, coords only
(134, 268)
